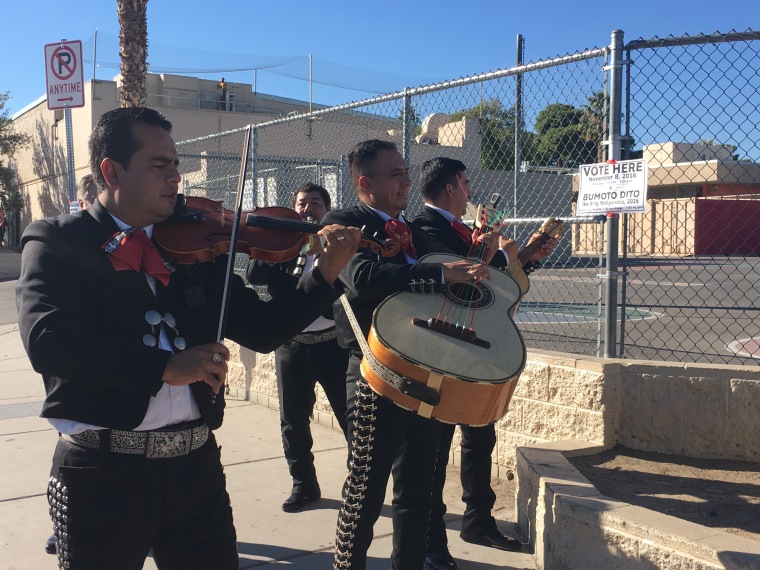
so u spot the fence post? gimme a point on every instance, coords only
(518, 127)
(408, 127)
(613, 220)
(625, 152)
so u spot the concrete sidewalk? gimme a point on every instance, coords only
(257, 481)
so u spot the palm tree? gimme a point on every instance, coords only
(593, 122)
(133, 43)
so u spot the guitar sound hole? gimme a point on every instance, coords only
(469, 295)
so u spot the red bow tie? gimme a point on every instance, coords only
(131, 249)
(401, 233)
(463, 232)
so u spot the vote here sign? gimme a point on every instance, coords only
(64, 75)
(618, 187)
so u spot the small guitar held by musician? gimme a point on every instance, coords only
(553, 228)
(453, 355)
(489, 219)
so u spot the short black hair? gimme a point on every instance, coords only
(436, 173)
(114, 138)
(309, 187)
(362, 157)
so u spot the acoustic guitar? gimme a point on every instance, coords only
(458, 371)
(454, 371)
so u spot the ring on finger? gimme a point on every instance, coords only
(217, 357)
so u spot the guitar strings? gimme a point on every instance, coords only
(459, 316)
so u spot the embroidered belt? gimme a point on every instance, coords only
(164, 443)
(316, 337)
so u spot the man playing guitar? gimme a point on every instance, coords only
(445, 188)
(383, 437)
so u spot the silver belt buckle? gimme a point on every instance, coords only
(168, 443)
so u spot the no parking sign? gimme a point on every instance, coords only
(63, 72)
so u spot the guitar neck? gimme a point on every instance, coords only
(524, 255)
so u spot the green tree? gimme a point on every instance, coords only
(497, 130)
(10, 142)
(559, 141)
(133, 44)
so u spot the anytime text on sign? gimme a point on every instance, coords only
(619, 187)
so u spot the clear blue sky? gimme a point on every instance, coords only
(425, 40)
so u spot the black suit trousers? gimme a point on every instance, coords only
(385, 439)
(299, 367)
(120, 506)
(477, 446)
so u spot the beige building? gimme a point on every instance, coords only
(289, 150)
(193, 105)
(197, 109)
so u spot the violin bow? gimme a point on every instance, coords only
(244, 162)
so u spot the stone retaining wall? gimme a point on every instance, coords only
(568, 404)
(569, 524)
(702, 411)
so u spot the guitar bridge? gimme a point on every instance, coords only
(453, 331)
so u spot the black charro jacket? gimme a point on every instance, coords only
(369, 278)
(71, 301)
(439, 229)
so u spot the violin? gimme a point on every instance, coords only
(201, 229)
(261, 218)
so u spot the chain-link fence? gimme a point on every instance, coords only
(693, 105)
(690, 106)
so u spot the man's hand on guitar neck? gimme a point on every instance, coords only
(491, 242)
(524, 261)
(544, 251)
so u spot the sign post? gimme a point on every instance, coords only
(65, 89)
(612, 188)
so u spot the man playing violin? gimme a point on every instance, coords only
(446, 189)
(383, 437)
(136, 465)
(311, 356)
